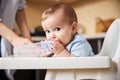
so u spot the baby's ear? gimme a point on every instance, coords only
(74, 27)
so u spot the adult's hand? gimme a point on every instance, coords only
(20, 40)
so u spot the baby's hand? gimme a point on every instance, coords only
(57, 47)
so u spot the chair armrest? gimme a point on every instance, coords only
(55, 63)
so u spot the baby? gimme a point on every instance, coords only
(60, 25)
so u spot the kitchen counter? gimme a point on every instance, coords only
(87, 36)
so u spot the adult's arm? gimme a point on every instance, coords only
(22, 23)
(12, 37)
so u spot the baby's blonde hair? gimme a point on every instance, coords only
(68, 12)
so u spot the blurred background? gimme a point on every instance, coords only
(92, 14)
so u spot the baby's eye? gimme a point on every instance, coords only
(47, 31)
(57, 29)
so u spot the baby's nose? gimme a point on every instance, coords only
(53, 36)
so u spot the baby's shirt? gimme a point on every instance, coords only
(79, 47)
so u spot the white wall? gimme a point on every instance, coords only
(104, 9)
(86, 13)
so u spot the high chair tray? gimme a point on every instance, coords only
(54, 62)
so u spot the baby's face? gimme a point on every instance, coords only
(57, 28)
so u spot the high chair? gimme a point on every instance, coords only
(103, 66)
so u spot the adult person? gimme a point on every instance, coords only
(11, 11)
